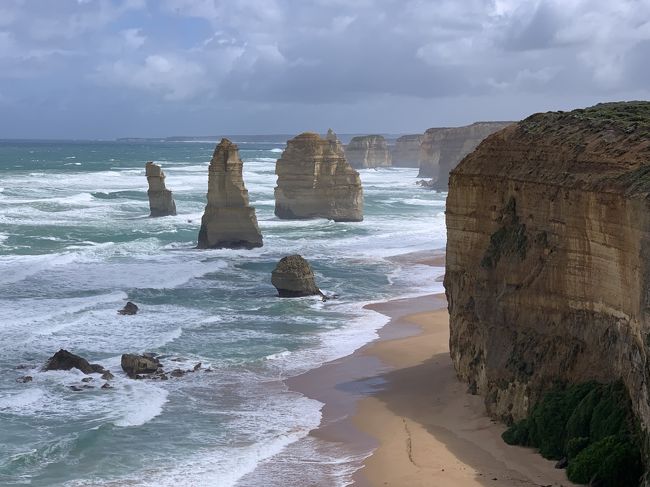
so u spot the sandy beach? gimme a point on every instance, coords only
(399, 398)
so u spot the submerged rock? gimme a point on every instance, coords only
(368, 151)
(293, 277)
(315, 181)
(24, 379)
(161, 201)
(129, 309)
(443, 148)
(64, 360)
(135, 365)
(406, 151)
(228, 221)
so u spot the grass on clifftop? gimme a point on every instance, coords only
(631, 117)
(592, 426)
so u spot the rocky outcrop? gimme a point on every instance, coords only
(548, 258)
(228, 221)
(443, 148)
(315, 181)
(293, 277)
(137, 365)
(161, 201)
(129, 309)
(64, 360)
(368, 151)
(406, 151)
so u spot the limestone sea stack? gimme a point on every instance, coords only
(228, 221)
(161, 201)
(406, 151)
(548, 258)
(315, 181)
(443, 148)
(293, 277)
(368, 151)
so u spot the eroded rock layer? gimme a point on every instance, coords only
(315, 181)
(368, 151)
(406, 151)
(161, 201)
(228, 220)
(443, 148)
(548, 257)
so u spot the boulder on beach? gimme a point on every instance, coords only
(129, 309)
(293, 277)
(64, 360)
(135, 365)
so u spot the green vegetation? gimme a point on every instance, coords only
(590, 424)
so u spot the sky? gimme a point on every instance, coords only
(154, 68)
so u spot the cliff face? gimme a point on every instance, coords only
(548, 257)
(368, 151)
(315, 181)
(161, 201)
(443, 148)
(228, 220)
(406, 152)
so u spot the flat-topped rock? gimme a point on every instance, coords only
(293, 277)
(406, 151)
(228, 221)
(368, 151)
(161, 201)
(315, 181)
(443, 148)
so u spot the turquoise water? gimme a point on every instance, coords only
(76, 243)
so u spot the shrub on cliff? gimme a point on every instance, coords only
(590, 424)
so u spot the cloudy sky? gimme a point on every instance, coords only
(114, 68)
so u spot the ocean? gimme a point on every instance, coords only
(76, 243)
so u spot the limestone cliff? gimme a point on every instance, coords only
(368, 151)
(406, 151)
(161, 201)
(228, 220)
(548, 257)
(443, 148)
(315, 181)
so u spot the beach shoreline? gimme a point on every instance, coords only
(397, 401)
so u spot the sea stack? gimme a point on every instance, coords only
(443, 148)
(293, 277)
(368, 151)
(161, 201)
(406, 151)
(548, 259)
(228, 220)
(315, 181)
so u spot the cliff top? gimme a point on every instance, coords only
(603, 148)
(628, 117)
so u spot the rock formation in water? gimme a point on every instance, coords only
(64, 360)
(228, 220)
(368, 151)
(406, 151)
(136, 365)
(548, 258)
(129, 309)
(293, 277)
(443, 148)
(315, 181)
(161, 201)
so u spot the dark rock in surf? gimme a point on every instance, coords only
(293, 277)
(24, 379)
(135, 365)
(64, 360)
(129, 309)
